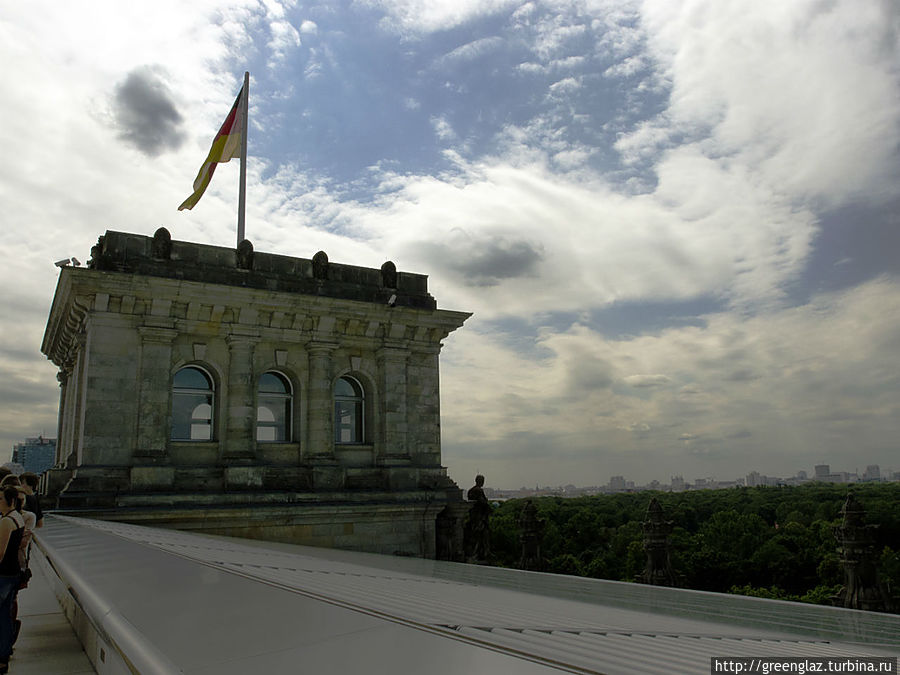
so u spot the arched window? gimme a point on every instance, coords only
(192, 405)
(273, 411)
(348, 411)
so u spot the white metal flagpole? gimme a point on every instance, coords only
(245, 124)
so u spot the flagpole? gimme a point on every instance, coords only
(245, 123)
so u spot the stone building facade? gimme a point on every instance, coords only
(238, 392)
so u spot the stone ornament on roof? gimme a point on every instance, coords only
(658, 569)
(862, 587)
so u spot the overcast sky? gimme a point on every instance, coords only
(677, 223)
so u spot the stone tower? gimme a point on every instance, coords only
(862, 587)
(238, 392)
(658, 569)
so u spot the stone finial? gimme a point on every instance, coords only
(96, 253)
(389, 275)
(162, 244)
(245, 255)
(862, 587)
(320, 265)
(531, 534)
(658, 569)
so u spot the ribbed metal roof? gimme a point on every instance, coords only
(513, 620)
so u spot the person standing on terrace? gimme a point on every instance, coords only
(12, 528)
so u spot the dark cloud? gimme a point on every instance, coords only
(24, 394)
(485, 262)
(588, 373)
(625, 320)
(742, 375)
(521, 446)
(145, 113)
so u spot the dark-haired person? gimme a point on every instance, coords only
(29, 482)
(12, 528)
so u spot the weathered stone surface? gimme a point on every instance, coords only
(146, 307)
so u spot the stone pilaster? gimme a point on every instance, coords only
(154, 392)
(77, 404)
(320, 402)
(424, 398)
(63, 378)
(241, 412)
(392, 371)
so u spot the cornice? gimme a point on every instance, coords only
(206, 309)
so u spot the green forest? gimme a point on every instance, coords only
(773, 542)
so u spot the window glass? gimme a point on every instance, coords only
(192, 405)
(348, 411)
(273, 383)
(274, 406)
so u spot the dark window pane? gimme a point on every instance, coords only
(191, 417)
(272, 383)
(347, 387)
(192, 378)
(274, 409)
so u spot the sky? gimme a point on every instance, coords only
(677, 222)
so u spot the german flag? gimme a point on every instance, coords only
(225, 145)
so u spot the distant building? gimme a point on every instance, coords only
(677, 483)
(872, 473)
(35, 454)
(617, 483)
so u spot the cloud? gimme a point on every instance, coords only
(819, 386)
(482, 261)
(442, 128)
(642, 381)
(769, 92)
(470, 51)
(145, 112)
(417, 17)
(284, 38)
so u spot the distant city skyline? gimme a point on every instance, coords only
(678, 482)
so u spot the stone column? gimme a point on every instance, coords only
(76, 421)
(240, 411)
(154, 393)
(320, 402)
(62, 377)
(392, 372)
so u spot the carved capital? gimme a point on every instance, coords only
(317, 348)
(242, 340)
